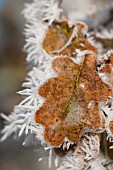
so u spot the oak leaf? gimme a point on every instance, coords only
(72, 98)
(58, 35)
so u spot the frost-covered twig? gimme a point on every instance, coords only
(85, 150)
(60, 89)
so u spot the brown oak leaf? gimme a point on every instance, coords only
(111, 126)
(71, 106)
(59, 34)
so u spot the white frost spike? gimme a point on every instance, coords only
(109, 53)
(66, 144)
(56, 161)
(108, 109)
(51, 12)
(86, 149)
(43, 10)
(36, 78)
(106, 56)
(30, 139)
(50, 158)
(97, 166)
(105, 34)
(83, 29)
(99, 163)
(35, 14)
(22, 119)
(11, 123)
(35, 34)
(107, 77)
(80, 54)
(93, 42)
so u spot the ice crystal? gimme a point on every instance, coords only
(36, 14)
(105, 34)
(68, 94)
(85, 150)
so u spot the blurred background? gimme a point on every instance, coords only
(13, 69)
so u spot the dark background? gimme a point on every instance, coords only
(13, 69)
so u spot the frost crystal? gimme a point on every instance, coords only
(36, 14)
(105, 34)
(68, 99)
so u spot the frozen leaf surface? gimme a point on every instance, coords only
(60, 35)
(71, 106)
